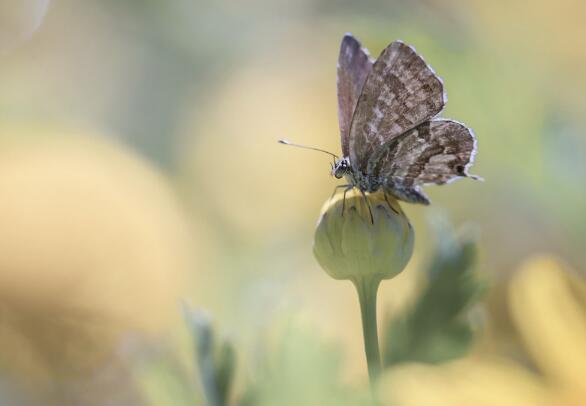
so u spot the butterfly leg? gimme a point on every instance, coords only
(367, 205)
(348, 187)
(389, 203)
(336, 189)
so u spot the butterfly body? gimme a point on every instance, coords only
(390, 135)
(343, 169)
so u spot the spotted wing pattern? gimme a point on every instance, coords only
(354, 65)
(435, 152)
(400, 93)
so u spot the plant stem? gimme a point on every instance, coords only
(367, 289)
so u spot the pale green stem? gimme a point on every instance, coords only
(367, 289)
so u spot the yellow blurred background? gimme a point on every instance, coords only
(139, 168)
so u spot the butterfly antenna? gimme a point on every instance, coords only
(307, 147)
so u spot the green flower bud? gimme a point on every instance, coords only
(351, 246)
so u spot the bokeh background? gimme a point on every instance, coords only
(139, 170)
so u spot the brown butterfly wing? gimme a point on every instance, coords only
(354, 65)
(400, 93)
(435, 152)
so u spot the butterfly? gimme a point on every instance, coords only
(392, 139)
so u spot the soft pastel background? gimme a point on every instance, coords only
(139, 170)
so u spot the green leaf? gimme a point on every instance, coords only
(225, 367)
(216, 367)
(437, 327)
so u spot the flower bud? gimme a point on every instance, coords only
(352, 246)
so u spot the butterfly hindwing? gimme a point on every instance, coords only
(400, 93)
(354, 65)
(435, 152)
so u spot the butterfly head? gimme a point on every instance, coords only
(341, 167)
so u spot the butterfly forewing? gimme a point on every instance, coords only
(437, 151)
(354, 65)
(400, 93)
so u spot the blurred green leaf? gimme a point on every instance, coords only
(437, 327)
(225, 367)
(216, 368)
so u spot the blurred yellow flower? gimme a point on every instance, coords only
(548, 307)
(94, 247)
